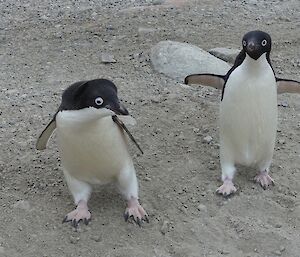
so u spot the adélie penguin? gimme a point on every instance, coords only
(93, 146)
(248, 109)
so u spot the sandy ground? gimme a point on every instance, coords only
(47, 46)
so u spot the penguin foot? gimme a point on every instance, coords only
(135, 212)
(81, 213)
(227, 188)
(264, 179)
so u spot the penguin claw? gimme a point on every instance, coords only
(135, 212)
(80, 214)
(227, 189)
(264, 180)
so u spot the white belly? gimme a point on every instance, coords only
(248, 114)
(94, 151)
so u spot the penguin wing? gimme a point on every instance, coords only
(127, 120)
(121, 124)
(287, 86)
(206, 79)
(45, 135)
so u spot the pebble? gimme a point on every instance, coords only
(22, 204)
(107, 58)
(74, 240)
(278, 253)
(281, 248)
(96, 238)
(281, 141)
(202, 208)
(165, 227)
(207, 139)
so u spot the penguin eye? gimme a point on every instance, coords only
(99, 101)
(244, 43)
(264, 42)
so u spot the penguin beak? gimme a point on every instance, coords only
(253, 50)
(118, 109)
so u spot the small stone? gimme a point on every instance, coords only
(96, 238)
(142, 31)
(165, 227)
(281, 141)
(207, 139)
(277, 253)
(107, 58)
(281, 248)
(147, 179)
(22, 204)
(74, 240)
(283, 104)
(202, 208)
(277, 225)
(196, 130)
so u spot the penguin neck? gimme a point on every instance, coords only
(82, 117)
(256, 65)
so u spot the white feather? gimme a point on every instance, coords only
(93, 148)
(248, 115)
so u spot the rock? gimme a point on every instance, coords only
(202, 208)
(165, 227)
(283, 104)
(142, 31)
(277, 253)
(74, 240)
(107, 58)
(177, 60)
(281, 248)
(281, 141)
(225, 54)
(207, 139)
(22, 204)
(96, 238)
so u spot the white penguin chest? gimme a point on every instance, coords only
(248, 112)
(94, 151)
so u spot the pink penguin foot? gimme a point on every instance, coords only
(81, 213)
(227, 188)
(135, 212)
(264, 179)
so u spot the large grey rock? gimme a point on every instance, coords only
(178, 60)
(225, 54)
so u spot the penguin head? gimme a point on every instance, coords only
(93, 94)
(255, 43)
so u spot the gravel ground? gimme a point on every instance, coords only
(47, 46)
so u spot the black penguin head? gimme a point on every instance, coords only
(98, 93)
(255, 43)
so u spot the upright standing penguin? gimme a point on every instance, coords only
(93, 146)
(248, 109)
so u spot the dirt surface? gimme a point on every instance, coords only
(47, 46)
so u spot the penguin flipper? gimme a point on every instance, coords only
(120, 123)
(127, 120)
(206, 79)
(287, 86)
(45, 135)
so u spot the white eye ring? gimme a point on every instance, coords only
(244, 43)
(99, 101)
(264, 42)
